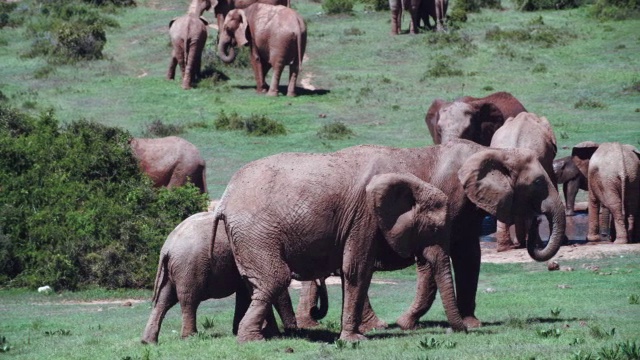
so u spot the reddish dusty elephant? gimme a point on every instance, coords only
(170, 161)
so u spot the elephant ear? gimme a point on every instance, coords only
(487, 182)
(242, 33)
(486, 119)
(581, 154)
(172, 21)
(432, 119)
(405, 208)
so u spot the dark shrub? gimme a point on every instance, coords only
(157, 128)
(377, 5)
(535, 5)
(255, 125)
(77, 41)
(615, 9)
(335, 131)
(75, 208)
(337, 6)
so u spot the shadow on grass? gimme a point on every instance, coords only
(282, 90)
(328, 336)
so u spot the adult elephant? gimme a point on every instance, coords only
(529, 131)
(188, 35)
(419, 10)
(170, 161)
(277, 37)
(572, 180)
(613, 173)
(188, 275)
(475, 119)
(477, 180)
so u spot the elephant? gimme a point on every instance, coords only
(525, 130)
(277, 37)
(170, 161)
(306, 194)
(187, 275)
(188, 36)
(419, 10)
(572, 180)
(613, 173)
(475, 119)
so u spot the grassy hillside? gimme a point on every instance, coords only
(378, 85)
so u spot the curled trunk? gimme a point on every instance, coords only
(226, 52)
(553, 209)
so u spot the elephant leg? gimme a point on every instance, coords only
(285, 310)
(167, 298)
(619, 223)
(396, 19)
(465, 257)
(356, 277)
(425, 295)
(594, 212)
(607, 229)
(243, 298)
(437, 257)
(521, 225)
(270, 326)
(275, 78)
(370, 320)
(570, 189)
(294, 69)
(189, 307)
(258, 70)
(440, 14)
(171, 73)
(188, 69)
(250, 328)
(503, 238)
(308, 299)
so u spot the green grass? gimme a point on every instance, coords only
(377, 85)
(518, 321)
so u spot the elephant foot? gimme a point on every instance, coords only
(372, 324)
(502, 247)
(352, 336)
(407, 322)
(306, 323)
(149, 341)
(569, 212)
(272, 93)
(620, 240)
(291, 94)
(593, 237)
(472, 322)
(249, 337)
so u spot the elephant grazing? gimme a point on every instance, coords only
(528, 131)
(277, 37)
(572, 180)
(170, 161)
(613, 173)
(475, 119)
(311, 214)
(419, 10)
(188, 275)
(188, 35)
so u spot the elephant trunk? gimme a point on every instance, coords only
(553, 209)
(226, 52)
(320, 311)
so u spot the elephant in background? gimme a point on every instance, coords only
(188, 35)
(572, 180)
(419, 10)
(170, 161)
(613, 174)
(529, 131)
(187, 275)
(475, 119)
(477, 180)
(277, 37)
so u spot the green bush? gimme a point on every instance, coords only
(535, 5)
(335, 131)
(377, 5)
(75, 208)
(254, 125)
(534, 32)
(615, 9)
(337, 6)
(157, 128)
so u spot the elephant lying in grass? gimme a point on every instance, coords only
(188, 275)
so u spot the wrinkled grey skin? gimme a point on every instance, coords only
(572, 180)
(504, 183)
(475, 119)
(528, 131)
(315, 213)
(187, 275)
(277, 37)
(170, 161)
(222, 7)
(418, 10)
(613, 173)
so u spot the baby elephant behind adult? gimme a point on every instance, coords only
(277, 36)
(187, 274)
(170, 161)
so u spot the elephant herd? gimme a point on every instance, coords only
(372, 208)
(275, 34)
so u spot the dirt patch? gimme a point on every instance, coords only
(570, 252)
(335, 280)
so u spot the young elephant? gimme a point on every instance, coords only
(572, 180)
(188, 35)
(613, 173)
(188, 275)
(277, 37)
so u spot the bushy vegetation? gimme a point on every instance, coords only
(536, 32)
(535, 5)
(254, 125)
(157, 128)
(335, 131)
(616, 9)
(337, 6)
(75, 209)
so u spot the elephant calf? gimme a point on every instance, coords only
(188, 275)
(572, 180)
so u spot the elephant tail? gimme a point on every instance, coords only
(301, 27)
(319, 312)
(161, 276)
(218, 215)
